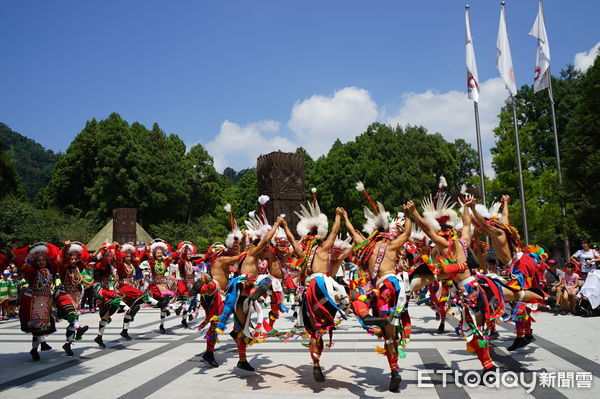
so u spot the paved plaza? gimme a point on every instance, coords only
(170, 366)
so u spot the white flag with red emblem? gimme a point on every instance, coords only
(503, 58)
(472, 78)
(541, 77)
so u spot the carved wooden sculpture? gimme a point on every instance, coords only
(281, 177)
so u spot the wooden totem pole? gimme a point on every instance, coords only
(281, 177)
(124, 225)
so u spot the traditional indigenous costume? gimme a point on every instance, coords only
(108, 299)
(282, 253)
(159, 286)
(67, 294)
(322, 296)
(245, 290)
(185, 280)
(524, 275)
(35, 311)
(478, 296)
(132, 296)
(212, 303)
(385, 296)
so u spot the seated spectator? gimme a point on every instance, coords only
(569, 284)
(553, 289)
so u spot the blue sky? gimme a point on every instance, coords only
(265, 74)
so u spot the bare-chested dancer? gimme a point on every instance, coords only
(242, 290)
(524, 286)
(377, 257)
(449, 256)
(321, 298)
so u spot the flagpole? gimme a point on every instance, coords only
(558, 168)
(473, 89)
(521, 185)
(543, 54)
(480, 151)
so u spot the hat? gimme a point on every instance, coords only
(159, 243)
(129, 247)
(6, 273)
(312, 221)
(182, 246)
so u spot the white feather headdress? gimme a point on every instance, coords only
(487, 213)
(342, 243)
(438, 211)
(379, 221)
(417, 234)
(312, 220)
(231, 238)
(495, 210)
(256, 226)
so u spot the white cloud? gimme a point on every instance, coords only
(238, 146)
(316, 122)
(584, 60)
(452, 114)
(319, 120)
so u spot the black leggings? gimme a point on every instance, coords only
(88, 295)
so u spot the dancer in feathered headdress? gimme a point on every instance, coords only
(322, 296)
(109, 299)
(386, 294)
(220, 257)
(524, 285)
(207, 286)
(35, 301)
(244, 290)
(449, 259)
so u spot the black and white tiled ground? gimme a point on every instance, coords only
(160, 366)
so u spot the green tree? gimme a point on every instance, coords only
(582, 158)
(33, 163)
(243, 195)
(22, 221)
(395, 164)
(542, 194)
(205, 184)
(111, 164)
(9, 178)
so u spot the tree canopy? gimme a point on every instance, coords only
(582, 157)
(395, 164)
(33, 163)
(572, 93)
(10, 181)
